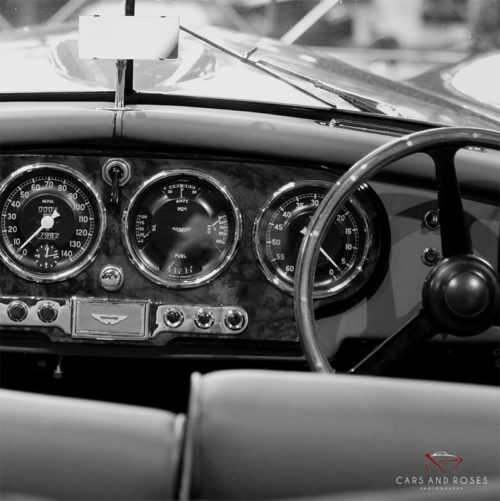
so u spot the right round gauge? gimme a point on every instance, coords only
(351, 253)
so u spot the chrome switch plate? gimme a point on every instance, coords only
(188, 325)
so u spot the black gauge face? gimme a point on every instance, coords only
(51, 222)
(181, 228)
(280, 228)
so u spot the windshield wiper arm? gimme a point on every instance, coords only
(245, 58)
(363, 103)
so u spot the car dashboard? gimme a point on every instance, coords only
(185, 244)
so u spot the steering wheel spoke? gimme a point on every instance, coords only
(417, 330)
(455, 237)
(461, 294)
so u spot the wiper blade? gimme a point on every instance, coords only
(245, 58)
(363, 103)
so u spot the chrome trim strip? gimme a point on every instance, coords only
(91, 253)
(118, 320)
(181, 283)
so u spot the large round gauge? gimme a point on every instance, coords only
(181, 228)
(280, 227)
(51, 222)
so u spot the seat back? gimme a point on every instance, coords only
(62, 448)
(269, 435)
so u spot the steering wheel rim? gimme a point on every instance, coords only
(441, 144)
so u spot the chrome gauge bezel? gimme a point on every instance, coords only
(272, 276)
(92, 252)
(184, 283)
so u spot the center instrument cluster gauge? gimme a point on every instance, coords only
(51, 221)
(181, 228)
(348, 254)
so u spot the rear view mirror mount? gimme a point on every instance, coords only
(123, 38)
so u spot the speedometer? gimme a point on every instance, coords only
(181, 228)
(280, 227)
(51, 222)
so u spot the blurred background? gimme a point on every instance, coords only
(405, 37)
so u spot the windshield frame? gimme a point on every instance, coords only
(134, 97)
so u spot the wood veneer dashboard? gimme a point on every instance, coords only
(239, 282)
(371, 308)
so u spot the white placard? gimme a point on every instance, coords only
(129, 37)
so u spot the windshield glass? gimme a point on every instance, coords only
(434, 60)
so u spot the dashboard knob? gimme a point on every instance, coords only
(173, 317)
(235, 320)
(111, 278)
(47, 313)
(17, 311)
(204, 318)
(430, 256)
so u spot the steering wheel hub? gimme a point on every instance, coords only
(466, 294)
(461, 295)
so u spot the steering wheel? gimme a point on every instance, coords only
(461, 294)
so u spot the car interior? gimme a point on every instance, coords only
(239, 300)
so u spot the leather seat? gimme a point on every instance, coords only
(269, 435)
(62, 448)
(256, 435)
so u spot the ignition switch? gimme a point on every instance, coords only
(116, 173)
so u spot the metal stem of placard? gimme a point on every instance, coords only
(121, 65)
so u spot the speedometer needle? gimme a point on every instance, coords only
(304, 231)
(46, 223)
(329, 258)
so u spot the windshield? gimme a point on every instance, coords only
(434, 60)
